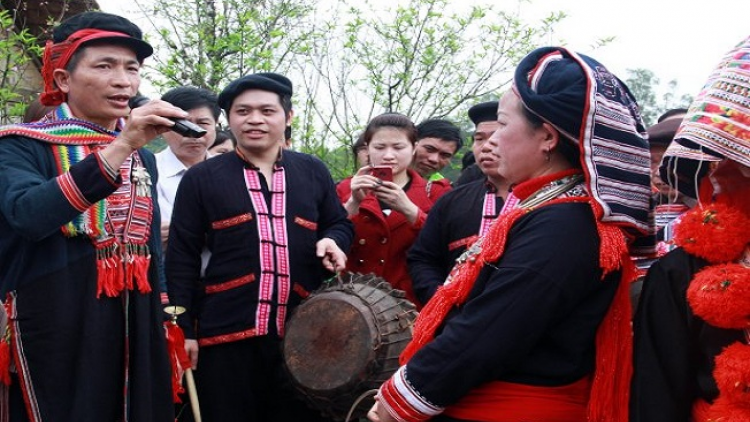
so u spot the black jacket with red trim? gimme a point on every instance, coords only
(214, 213)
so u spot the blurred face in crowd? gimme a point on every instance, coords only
(483, 148)
(657, 152)
(258, 121)
(432, 154)
(99, 86)
(391, 147)
(191, 151)
(222, 148)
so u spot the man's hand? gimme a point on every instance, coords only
(334, 259)
(191, 347)
(144, 124)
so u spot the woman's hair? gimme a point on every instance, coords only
(222, 136)
(391, 120)
(564, 145)
(358, 144)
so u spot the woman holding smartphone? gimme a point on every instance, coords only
(387, 202)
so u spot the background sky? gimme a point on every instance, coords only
(678, 40)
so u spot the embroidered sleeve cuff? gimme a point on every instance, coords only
(107, 169)
(403, 402)
(72, 193)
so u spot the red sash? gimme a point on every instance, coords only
(509, 402)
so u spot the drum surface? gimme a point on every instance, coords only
(344, 340)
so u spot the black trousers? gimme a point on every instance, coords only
(244, 381)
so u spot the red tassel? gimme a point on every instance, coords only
(614, 350)
(177, 357)
(140, 272)
(4, 362)
(129, 267)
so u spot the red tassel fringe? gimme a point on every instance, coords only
(117, 273)
(463, 277)
(614, 350)
(178, 358)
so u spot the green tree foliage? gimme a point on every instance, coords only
(206, 43)
(18, 48)
(653, 98)
(423, 59)
(349, 59)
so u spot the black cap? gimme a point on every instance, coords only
(663, 132)
(105, 22)
(264, 81)
(483, 112)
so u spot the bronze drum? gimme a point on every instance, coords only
(344, 340)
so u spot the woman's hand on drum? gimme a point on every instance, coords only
(191, 347)
(334, 259)
(378, 413)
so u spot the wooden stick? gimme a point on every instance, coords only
(193, 394)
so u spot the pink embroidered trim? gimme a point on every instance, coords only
(489, 212)
(226, 338)
(274, 251)
(233, 221)
(231, 284)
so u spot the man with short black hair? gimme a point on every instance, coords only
(79, 245)
(275, 229)
(438, 140)
(460, 216)
(183, 152)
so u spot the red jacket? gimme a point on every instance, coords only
(381, 242)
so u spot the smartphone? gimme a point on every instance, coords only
(383, 173)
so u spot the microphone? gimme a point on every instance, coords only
(182, 126)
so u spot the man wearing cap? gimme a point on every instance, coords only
(274, 226)
(461, 215)
(80, 238)
(438, 140)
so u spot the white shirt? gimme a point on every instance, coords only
(171, 171)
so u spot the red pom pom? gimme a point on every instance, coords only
(732, 374)
(720, 294)
(722, 410)
(717, 233)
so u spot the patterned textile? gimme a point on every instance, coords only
(556, 84)
(119, 225)
(716, 126)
